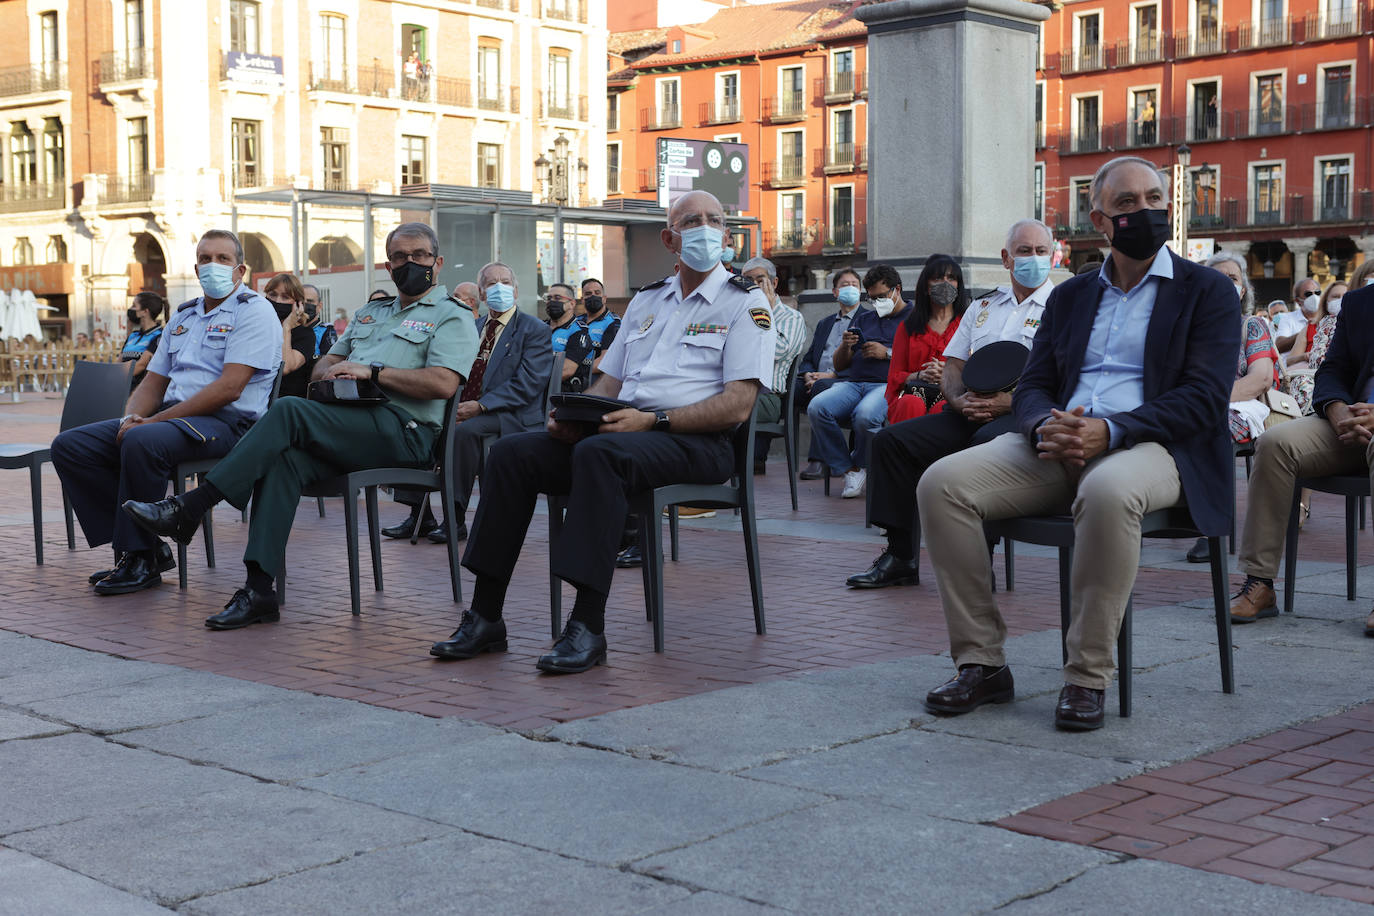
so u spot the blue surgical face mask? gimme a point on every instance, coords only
(500, 296)
(701, 247)
(727, 255)
(848, 296)
(216, 280)
(1031, 270)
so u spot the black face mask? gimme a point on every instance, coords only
(555, 308)
(311, 310)
(133, 316)
(593, 305)
(412, 279)
(283, 308)
(1139, 235)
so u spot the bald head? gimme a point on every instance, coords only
(696, 208)
(467, 293)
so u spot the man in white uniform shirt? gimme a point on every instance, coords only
(902, 452)
(693, 352)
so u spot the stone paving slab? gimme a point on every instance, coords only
(458, 873)
(35, 669)
(709, 903)
(33, 887)
(308, 736)
(580, 802)
(862, 857)
(188, 846)
(18, 725)
(944, 775)
(1143, 888)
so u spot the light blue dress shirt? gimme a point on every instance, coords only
(1112, 379)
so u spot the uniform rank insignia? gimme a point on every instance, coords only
(219, 329)
(181, 329)
(743, 283)
(425, 326)
(981, 320)
(694, 329)
(1032, 322)
(761, 317)
(365, 319)
(648, 323)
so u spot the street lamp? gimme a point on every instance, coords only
(553, 173)
(1184, 155)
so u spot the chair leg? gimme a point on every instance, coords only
(646, 571)
(1363, 500)
(1123, 662)
(1353, 505)
(36, 494)
(374, 535)
(825, 485)
(319, 501)
(1221, 605)
(1009, 563)
(67, 516)
(281, 584)
(1065, 592)
(789, 444)
(179, 488)
(672, 529)
(1290, 552)
(455, 564)
(555, 583)
(351, 537)
(207, 527)
(419, 519)
(653, 562)
(751, 554)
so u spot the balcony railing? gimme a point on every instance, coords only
(1082, 60)
(566, 10)
(841, 238)
(790, 106)
(127, 189)
(1291, 210)
(1147, 49)
(31, 195)
(500, 99)
(564, 107)
(449, 90)
(336, 183)
(786, 172)
(1199, 43)
(1341, 24)
(1264, 33)
(25, 80)
(781, 241)
(648, 180)
(664, 117)
(511, 5)
(721, 111)
(842, 86)
(842, 157)
(371, 80)
(137, 64)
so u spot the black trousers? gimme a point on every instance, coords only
(99, 475)
(599, 475)
(901, 453)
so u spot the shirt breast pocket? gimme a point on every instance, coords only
(175, 342)
(216, 341)
(701, 351)
(408, 348)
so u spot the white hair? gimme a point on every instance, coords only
(766, 264)
(1247, 299)
(1100, 178)
(1020, 224)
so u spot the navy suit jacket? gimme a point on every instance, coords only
(1191, 347)
(516, 383)
(812, 360)
(1345, 372)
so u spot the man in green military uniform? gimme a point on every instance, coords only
(418, 347)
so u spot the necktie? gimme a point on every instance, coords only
(473, 389)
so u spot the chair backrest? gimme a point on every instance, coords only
(448, 433)
(98, 392)
(743, 441)
(789, 403)
(276, 384)
(555, 380)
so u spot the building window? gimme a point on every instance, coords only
(1144, 118)
(1039, 179)
(1089, 39)
(488, 165)
(1082, 205)
(133, 29)
(677, 45)
(1335, 97)
(613, 112)
(1269, 104)
(1207, 27)
(1205, 183)
(727, 98)
(23, 155)
(489, 76)
(54, 152)
(842, 217)
(1146, 34)
(560, 100)
(244, 34)
(414, 154)
(23, 250)
(842, 72)
(244, 152)
(1340, 18)
(333, 50)
(1335, 184)
(138, 148)
(56, 252)
(842, 137)
(1273, 27)
(1268, 194)
(334, 148)
(1087, 139)
(613, 168)
(50, 45)
(792, 98)
(791, 226)
(669, 103)
(790, 156)
(1039, 115)
(1206, 119)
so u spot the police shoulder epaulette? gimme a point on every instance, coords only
(743, 283)
(187, 304)
(656, 285)
(245, 296)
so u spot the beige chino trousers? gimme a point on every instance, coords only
(1004, 478)
(1305, 447)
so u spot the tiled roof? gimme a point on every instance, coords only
(743, 31)
(621, 42)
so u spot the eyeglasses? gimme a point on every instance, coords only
(423, 258)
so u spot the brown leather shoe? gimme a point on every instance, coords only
(1255, 601)
(1079, 709)
(971, 688)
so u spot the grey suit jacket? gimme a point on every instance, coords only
(516, 382)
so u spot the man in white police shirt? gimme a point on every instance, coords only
(206, 384)
(693, 353)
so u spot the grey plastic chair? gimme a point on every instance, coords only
(1355, 489)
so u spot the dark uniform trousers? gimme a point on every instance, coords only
(599, 475)
(298, 443)
(900, 454)
(469, 438)
(98, 475)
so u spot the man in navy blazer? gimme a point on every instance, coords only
(817, 370)
(506, 392)
(1121, 410)
(1334, 440)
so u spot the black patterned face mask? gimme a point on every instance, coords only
(1141, 233)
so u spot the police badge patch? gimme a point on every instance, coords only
(761, 317)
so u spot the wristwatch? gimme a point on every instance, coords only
(661, 422)
(376, 371)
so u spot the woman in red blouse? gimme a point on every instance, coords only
(918, 348)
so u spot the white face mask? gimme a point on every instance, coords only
(1310, 303)
(884, 307)
(1333, 306)
(1240, 289)
(1369, 281)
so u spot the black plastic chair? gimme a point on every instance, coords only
(195, 470)
(1355, 489)
(1057, 531)
(785, 428)
(368, 480)
(98, 391)
(738, 494)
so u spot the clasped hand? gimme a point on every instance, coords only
(979, 409)
(1072, 438)
(625, 420)
(1357, 426)
(347, 369)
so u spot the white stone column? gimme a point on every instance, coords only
(1300, 249)
(951, 130)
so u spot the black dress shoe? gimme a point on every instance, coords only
(886, 570)
(135, 572)
(165, 518)
(440, 534)
(1079, 709)
(1199, 553)
(814, 470)
(246, 607)
(629, 558)
(403, 529)
(475, 635)
(971, 688)
(576, 650)
(163, 555)
(760, 468)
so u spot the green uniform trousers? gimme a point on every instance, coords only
(298, 443)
